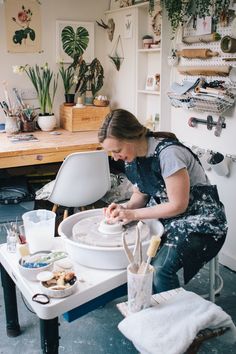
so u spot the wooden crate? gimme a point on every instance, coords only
(82, 119)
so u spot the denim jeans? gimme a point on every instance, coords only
(191, 254)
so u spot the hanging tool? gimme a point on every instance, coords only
(220, 124)
(197, 53)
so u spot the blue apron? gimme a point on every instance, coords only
(204, 215)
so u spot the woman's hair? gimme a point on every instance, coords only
(123, 125)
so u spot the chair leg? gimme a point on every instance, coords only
(215, 280)
(54, 208)
(66, 213)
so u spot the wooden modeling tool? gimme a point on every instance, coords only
(151, 252)
(197, 53)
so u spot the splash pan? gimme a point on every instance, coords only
(91, 231)
(86, 245)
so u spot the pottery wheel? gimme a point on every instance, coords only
(86, 231)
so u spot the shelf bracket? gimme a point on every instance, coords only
(209, 122)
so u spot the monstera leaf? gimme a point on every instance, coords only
(74, 43)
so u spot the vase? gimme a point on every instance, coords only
(88, 98)
(47, 123)
(12, 124)
(70, 98)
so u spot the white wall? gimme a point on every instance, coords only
(51, 10)
(226, 144)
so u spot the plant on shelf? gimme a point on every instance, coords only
(89, 75)
(179, 11)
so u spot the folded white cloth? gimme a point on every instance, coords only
(170, 327)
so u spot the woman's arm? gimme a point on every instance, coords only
(137, 200)
(177, 186)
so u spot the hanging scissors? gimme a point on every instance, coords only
(135, 257)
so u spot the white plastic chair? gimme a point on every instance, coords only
(83, 178)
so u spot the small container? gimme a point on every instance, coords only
(139, 289)
(11, 242)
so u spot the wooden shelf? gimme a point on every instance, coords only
(142, 4)
(149, 92)
(151, 50)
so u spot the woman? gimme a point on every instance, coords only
(159, 166)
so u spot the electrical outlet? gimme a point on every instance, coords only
(28, 94)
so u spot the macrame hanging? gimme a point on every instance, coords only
(117, 54)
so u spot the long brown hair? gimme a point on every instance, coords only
(123, 125)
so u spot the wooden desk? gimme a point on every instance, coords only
(49, 148)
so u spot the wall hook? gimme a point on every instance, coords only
(209, 122)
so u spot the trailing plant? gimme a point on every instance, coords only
(179, 11)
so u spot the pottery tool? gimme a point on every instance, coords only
(214, 91)
(196, 53)
(217, 70)
(202, 39)
(151, 252)
(135, 257)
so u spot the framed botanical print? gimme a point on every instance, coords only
(61, 56)
(23, 26)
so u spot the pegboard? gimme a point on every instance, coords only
(213, 46)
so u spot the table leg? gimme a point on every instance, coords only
(9, 293)
(49, 335)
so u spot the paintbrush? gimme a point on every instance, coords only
(151, 252)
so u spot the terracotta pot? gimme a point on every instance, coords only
(47, 123)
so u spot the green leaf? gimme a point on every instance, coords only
(74, 43)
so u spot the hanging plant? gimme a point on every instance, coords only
(179, 11)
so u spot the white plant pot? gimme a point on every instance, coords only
(47, 123)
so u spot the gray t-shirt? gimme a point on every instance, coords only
(174, 158)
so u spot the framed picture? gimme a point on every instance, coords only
(23, 26)
(153, 82)
(88, 55)
(128, 26)
(204, 25)
(150, 83)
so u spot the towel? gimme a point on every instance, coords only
(171, 326)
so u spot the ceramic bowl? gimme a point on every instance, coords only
(58, 291)
(31, 273)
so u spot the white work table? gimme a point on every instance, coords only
(95, 289)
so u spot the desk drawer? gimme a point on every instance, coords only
(82, 119)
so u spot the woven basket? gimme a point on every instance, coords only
(100, 103)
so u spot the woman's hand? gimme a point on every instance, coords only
(117, 212)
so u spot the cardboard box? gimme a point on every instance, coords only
(82, 119)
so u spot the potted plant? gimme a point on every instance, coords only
(89, 75)
(45, 84)
(70, 79)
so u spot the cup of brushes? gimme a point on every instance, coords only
(140, 280)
